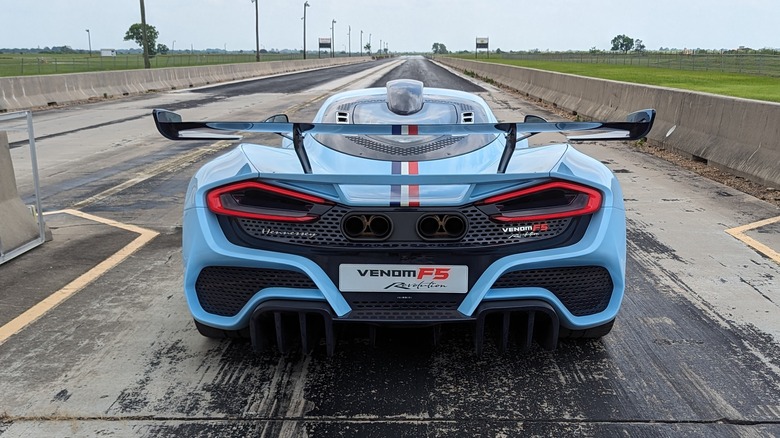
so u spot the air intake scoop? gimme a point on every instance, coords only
(405, 96)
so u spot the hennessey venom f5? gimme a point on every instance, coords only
(404, 205)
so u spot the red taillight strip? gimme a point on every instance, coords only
(214, 201)
(591, 206)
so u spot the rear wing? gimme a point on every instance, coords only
(636, 126)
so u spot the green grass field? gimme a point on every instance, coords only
(729, 84)
(42, 64)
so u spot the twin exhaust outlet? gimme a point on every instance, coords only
(380, 226)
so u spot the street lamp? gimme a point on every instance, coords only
(305, 5)
(89, 37)
(361, 43)
(173, 46)
(369, 44)
(333, 39)
(349, 39)
(257, 30)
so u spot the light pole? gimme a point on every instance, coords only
(173, 46)
(369, 44)
(144, 36)
(349, 40)
(89, 38)
(305, 5)
(380, 46)
(361, 43)
(333, 38)
(257, 30)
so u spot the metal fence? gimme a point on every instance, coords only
(22, 65)
(746, 63)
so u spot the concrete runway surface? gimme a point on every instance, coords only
(96, 339)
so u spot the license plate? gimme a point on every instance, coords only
(403, 278)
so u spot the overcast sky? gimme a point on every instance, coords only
(406, 25)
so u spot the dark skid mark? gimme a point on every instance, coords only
(63, 395)
(21, 143)
(622, 171)
(742, 280)
(703, 369)
(137, 397)
(292, 83)
(643, 241)
(431, 75)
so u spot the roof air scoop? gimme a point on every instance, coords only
(405, 96)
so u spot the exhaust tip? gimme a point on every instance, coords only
(441, 226)
(367, 227)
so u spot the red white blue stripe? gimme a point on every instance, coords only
(404, 129)
(405, 195)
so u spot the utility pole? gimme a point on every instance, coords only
(144, 40)
(349, 40)
(89, 38)
(257, 30)
(361, 43)
(333, 38)
(305, 5)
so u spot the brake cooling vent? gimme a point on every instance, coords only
(224, 290)
(584, 290)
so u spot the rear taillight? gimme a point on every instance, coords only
(254, 200)
(552, 200)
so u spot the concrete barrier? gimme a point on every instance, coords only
(741, 136)
(25, 92)
(18, 226)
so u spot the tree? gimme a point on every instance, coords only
(368, 48)
(135, 33)
(639, 46)
(623, 43)
(162, 49)
(439, 49)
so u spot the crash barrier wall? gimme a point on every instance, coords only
(18, 226)
(23, 92)
(738, 135)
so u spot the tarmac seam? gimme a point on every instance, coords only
(139, 418)
(42, 307)
(739, 234)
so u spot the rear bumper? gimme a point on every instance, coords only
(602, 246)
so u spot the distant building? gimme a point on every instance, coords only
(107, 52)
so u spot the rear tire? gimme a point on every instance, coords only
(215, 333)
(591, 333)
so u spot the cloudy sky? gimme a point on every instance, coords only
(406, 25)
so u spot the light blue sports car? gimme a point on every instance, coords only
(406, 206)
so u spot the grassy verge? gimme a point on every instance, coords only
(40, 64)
(728, 84)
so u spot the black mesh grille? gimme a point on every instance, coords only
(408, 311)
(584, 290)
(225, 290)
(404, 151)
(482, 232)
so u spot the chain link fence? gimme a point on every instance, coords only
(40, 64)
(745, 63)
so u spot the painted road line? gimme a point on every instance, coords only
(70, 289)
(172, 165)
(739, 233)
